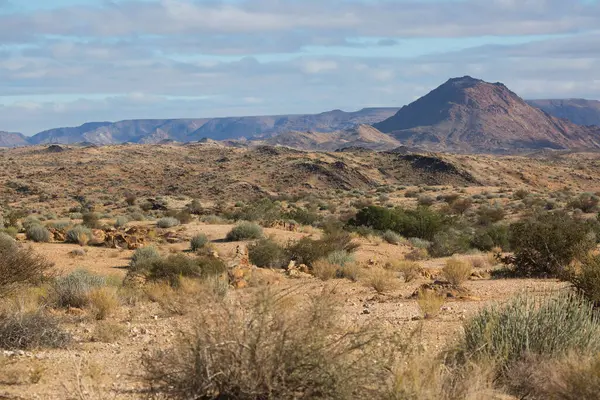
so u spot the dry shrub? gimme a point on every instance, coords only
(103, 301)
(20, 265)
(74, 290)
(325, 270)
(382, 280)
(456, 271)
(107, 332)
(479, 262)
(31, 330)
(573, 377)
(417, 254)
(274, 349)
(409, 270)
(169, 299)
(352, 272)
(429, 303)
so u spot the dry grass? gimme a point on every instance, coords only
(456, 271)
(273, 350)
(103, 301)
(352, 271)
(325, 270)
(409, 270)
(382, 280)
(429, 303)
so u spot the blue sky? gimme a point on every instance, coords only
(65, 62)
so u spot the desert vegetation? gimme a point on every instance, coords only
(442, 289)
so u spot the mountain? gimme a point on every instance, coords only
(362, 135)
(578, 111)
(184, 130)
(470, 115)
(12, 139)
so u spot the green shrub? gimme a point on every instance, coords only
(489, 215)
(10, 231)
(75, 215)
(245, 231)
(31, 221)
(7, 243)
(392, 237)
(137, 216)
(308, 251)
(340, 258)
(195, 207)
(31, 330)
(183, 216)
(267, 253)
(545, 244)
(422, 222)
(121, 221)
(167, 222)
(487, 238)
(586, 202)
(303, 217)
(548, 326)
(60, 225)
(450, 242)
(38, 234)
(172, 268)
(142, 258)
(73, 290)
(75, 234)
(199, 241)
(264, 210)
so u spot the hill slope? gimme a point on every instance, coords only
(364, 136)
(578, 111)
(12, 139)
(470, 115)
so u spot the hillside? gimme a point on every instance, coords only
(364, 136)
(185, 130)
(578, 111)
(12, 139)
(470, 115)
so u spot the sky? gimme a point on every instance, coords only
(66, 62)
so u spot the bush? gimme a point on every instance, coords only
(183, 216)
(267, 253)
(489, 215)
(547, 243)
(245, 231)
(172, 268)
(31, 330)
(272, 352)
(167, 222)
(60, 225)
(18, 266)
(382, 280)
(586, 202)
(307, 251)
(429, 303)
(492, 236)
(73, 290)
(78, 234)
(417, 254)
(450, 242)
(587, 279)
(142, 258)
(264, 210)
(213, 220)
(410, 270)
(548, 326)
(7, 243)
(325, 270)
(102, 302)
(31, 221)
(198, 242)
(392, 237)
(38, 234)
(121, 221)
(456, 271)
(340, 258)
(304, 217)
(91, 220)
(10, 231)
(195, 207)
(422, 222)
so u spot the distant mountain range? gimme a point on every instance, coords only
(187, 130)
(578, 111)
(462, 115)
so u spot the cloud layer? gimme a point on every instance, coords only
(110, 60)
